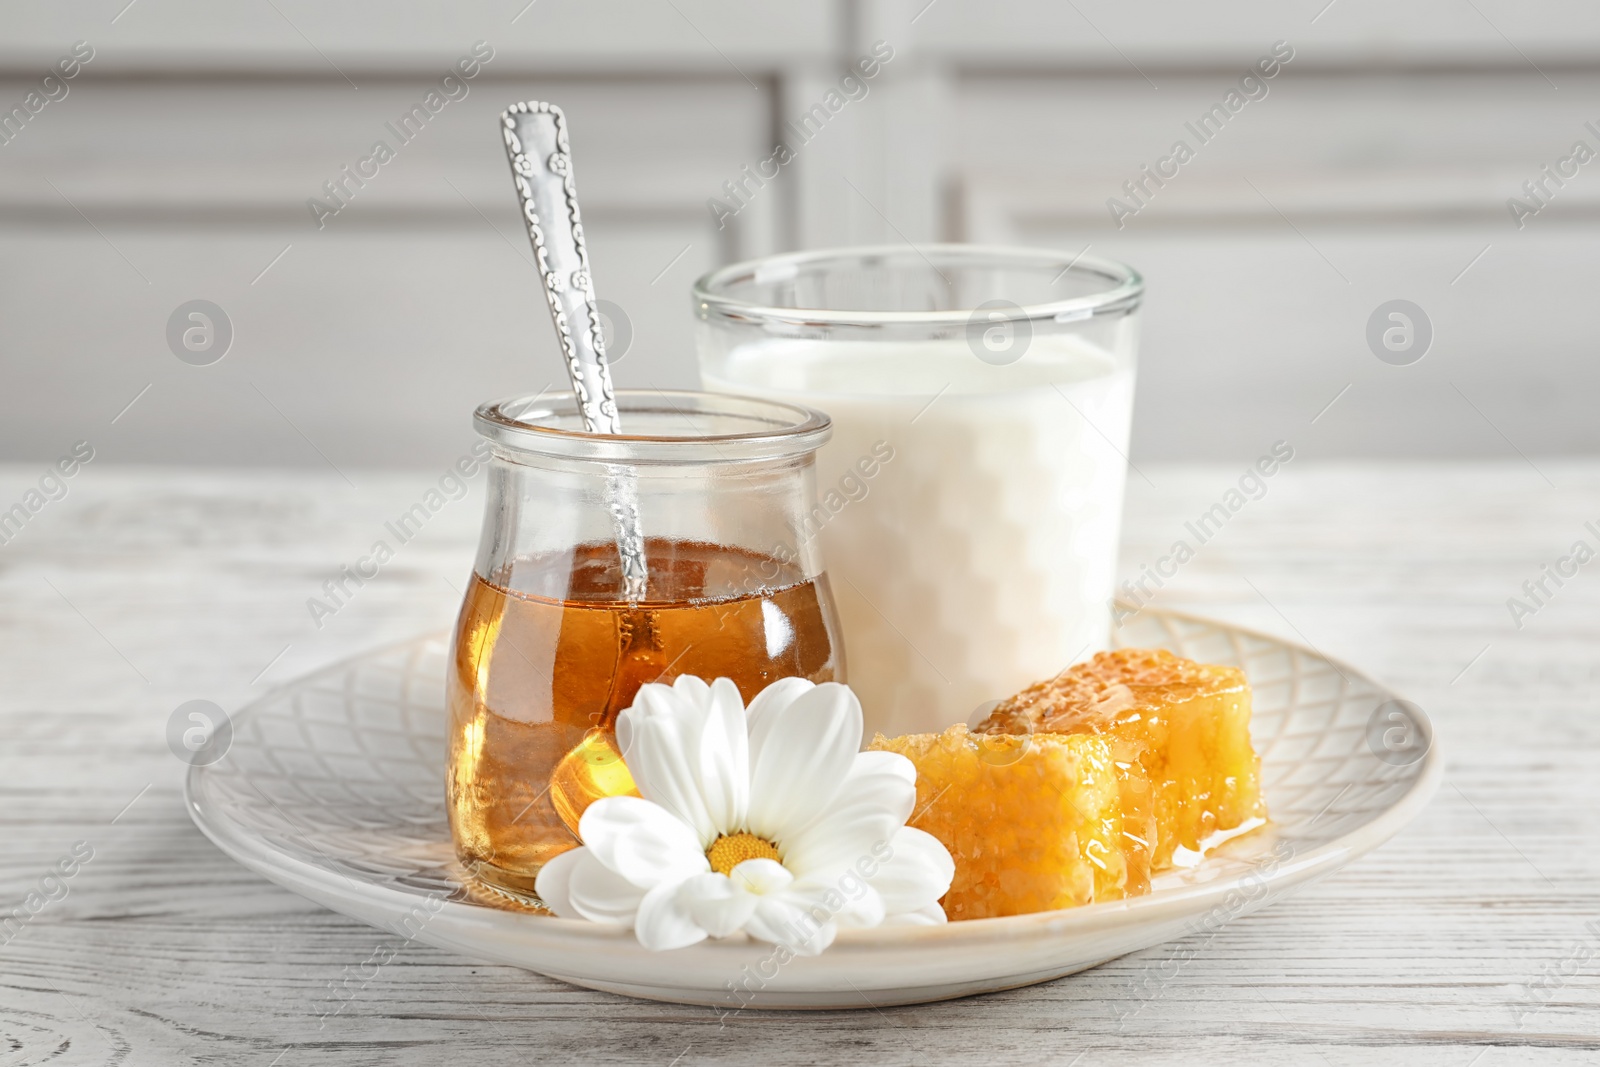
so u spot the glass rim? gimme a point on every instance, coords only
(1123, 294)
(524, 426)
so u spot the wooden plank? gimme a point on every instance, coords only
(1268, 252)
(1109, 36)
(233, 148)
(349, 39)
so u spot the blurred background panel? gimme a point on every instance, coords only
(1375, 165)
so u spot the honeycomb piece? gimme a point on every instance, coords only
(1033, 822)
(1179, 733)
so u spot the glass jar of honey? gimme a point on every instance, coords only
(552, 642)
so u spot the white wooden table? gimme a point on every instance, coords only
(1473, 938)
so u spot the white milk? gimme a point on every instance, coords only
(980, 556)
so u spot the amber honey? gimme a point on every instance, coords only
(537, 679)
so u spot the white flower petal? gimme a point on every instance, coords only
(554, 883)
(917, 874)
(660, 733)
(601, 895)
(932, 915)
(779, 694)
(799, 760)
(885, 763)
(864, 909)
(624, 729)
(664, 920)
(872, 804)
(717, 905)
(761, 877)
(841, 894)
(693, 689)
(786, 922)
(724, 756)
(640, 841)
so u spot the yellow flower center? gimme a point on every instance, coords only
(730, 850)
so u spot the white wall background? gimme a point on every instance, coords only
(1378, 167)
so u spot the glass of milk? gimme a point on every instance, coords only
(970, 499)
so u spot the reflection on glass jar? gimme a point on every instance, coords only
(548, 649)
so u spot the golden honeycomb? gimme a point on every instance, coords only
(1178, 732)
(1033, 822)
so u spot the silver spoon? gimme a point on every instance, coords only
(541, 166)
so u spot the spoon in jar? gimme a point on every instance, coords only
(541, 166)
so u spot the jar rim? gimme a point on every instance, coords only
(548, 425)
(1122, 293)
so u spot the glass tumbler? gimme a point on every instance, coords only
(548, 648)
(971, 496)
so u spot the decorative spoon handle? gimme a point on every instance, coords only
(541, 165)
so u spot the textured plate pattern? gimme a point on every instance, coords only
(334, 788)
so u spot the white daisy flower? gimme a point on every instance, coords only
(769, 821)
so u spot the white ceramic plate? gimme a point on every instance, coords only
(334, 788)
